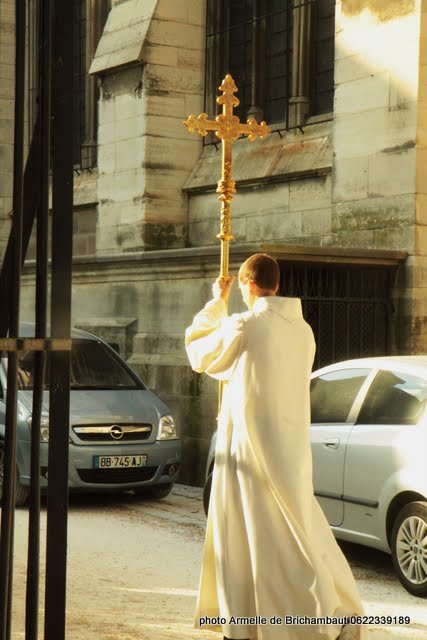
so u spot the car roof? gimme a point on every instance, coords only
(410, 364)
(27, 330)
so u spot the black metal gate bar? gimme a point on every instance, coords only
(62, 238)
(33, 562)
(30, 199)
(9, 481)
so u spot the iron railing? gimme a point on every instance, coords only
(50, 150)
(349, 308)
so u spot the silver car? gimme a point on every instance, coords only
(121, 435)
(369, 443)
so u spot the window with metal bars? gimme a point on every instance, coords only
(322, 72)
(79, 88)
(349, 308)
(276, 51)
(89, 20)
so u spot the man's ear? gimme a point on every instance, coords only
(252, 285)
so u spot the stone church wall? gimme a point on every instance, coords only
(145, 153)
(375, 138)
(147, 217)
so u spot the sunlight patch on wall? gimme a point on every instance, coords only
(382, 46)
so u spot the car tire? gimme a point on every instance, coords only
(408, 552)
(157, 492)
(207, 493)
(21, 492)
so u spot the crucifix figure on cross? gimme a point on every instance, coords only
(227, 128)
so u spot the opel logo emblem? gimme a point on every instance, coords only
(116, 432)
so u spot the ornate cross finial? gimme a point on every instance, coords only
(227, 128)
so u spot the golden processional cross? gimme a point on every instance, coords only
(227, 128)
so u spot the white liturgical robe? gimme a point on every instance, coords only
(269, 550)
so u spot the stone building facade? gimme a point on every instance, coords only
(338, 194)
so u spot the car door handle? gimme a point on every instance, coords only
(331, 443)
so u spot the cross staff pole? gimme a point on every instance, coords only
(227, 128)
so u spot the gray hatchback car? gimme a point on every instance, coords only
(121, 435)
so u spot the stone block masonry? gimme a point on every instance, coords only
(376, 130)
(145, 153)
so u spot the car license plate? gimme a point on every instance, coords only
(119, 462)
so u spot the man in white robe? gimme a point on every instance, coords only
(269, 550)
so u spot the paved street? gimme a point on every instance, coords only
(134, 568)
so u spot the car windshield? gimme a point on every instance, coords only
(93, 366)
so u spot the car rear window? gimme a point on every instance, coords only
(93, 366)
(394, 398)
(332, 394)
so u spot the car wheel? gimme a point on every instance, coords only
(409, 547)
(207, 492)
(21, 493)
(157, 492)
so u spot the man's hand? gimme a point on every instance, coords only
(222, 286)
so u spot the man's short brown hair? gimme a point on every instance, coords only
(261, 269)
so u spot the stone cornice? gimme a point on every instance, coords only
(203, 261)
(283, 156)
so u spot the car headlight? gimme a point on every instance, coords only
(44, 428)
(167, 429)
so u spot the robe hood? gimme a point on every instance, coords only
(288, 308)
